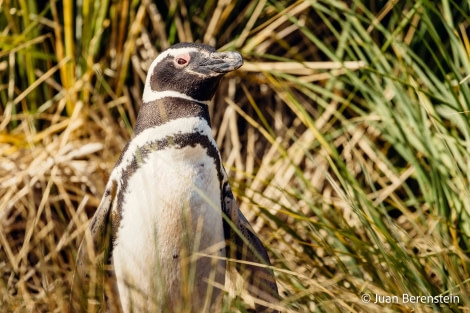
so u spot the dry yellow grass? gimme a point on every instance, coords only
(345, 139)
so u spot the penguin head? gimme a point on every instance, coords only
(191, 69)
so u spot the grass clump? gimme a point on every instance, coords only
(346, 134)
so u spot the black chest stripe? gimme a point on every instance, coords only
(177, 141)
(164, 110)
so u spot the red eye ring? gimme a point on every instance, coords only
(181, 61)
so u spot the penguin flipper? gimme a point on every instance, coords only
(243, 244)
(91, 292)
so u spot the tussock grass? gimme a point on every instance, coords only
(346, 135)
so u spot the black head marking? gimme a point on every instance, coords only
(191, 69)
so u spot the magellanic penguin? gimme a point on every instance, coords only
(168, 222)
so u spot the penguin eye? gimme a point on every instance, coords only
(182, 60)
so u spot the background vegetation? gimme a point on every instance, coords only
(346, 135)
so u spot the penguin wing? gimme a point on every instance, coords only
(243, 244)
(89, 288)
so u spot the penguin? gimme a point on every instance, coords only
(168, 224)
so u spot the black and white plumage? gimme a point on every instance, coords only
(168, 219)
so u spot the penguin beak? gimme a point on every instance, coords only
(224, 62)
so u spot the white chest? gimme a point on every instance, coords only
(170, 213)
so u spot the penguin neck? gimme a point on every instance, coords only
(161, 111)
